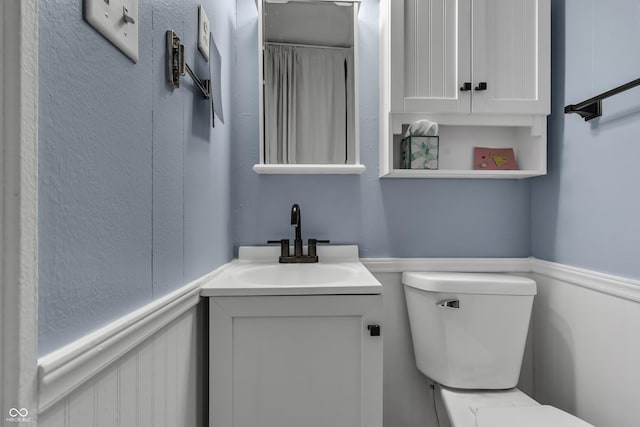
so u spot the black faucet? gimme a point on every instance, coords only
(296, 223)
(298, 256)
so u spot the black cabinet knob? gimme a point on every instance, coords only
(374, 330)
(466, 86)
(481, 86)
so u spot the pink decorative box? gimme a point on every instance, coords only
(494, 159)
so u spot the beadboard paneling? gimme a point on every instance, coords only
(430, 39)
(62, 371)
(586, 343)
(158, 383)
(511, 36)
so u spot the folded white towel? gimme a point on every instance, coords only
(422, 128)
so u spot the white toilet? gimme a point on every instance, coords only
(469, 332)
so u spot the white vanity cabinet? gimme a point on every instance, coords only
(302, 360)
(468, 64)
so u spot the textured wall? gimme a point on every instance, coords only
(585, 212)
(134, 184)
(400, 218)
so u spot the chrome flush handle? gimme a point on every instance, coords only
(449, 303)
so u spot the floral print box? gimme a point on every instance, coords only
(419, 152)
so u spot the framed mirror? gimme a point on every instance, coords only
(308, 74)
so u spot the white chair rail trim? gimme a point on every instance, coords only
(65, 369)
(616, 286)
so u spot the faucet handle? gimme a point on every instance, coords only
(284, 246)
(313, 245)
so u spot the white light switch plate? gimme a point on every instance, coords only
(117, 20)
(203, 32)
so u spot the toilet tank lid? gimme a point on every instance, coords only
(470, 283)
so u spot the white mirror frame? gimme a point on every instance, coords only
(269, 168)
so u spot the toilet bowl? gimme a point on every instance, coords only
(498, 408)
(469, 332)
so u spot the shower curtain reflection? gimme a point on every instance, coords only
(309, 104)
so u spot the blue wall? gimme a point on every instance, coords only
(138, 196)
(386, 217)
(134, 184)
(586, 211)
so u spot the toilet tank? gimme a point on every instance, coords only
(469, 329)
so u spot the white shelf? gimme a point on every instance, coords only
(415, 173)
(525, 135)
(309, 169)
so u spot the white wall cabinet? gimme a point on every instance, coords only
(304, 361)
(466, 63)
(447, 44)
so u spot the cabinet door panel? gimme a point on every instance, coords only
(302, 372)
(437, 55)
(510, 51)
(304, 361)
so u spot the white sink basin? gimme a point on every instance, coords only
(258, 272)
(295, 274)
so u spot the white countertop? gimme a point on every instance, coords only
(257, 271)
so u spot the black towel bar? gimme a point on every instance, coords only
(592, 108)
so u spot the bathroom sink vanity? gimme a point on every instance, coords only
(295, 344)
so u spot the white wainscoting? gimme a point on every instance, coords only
(159, 383)
(587, 343)
(146, 369)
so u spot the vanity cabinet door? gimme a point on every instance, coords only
(304, 361)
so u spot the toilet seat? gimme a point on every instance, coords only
(527, 416)
(501, 408)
